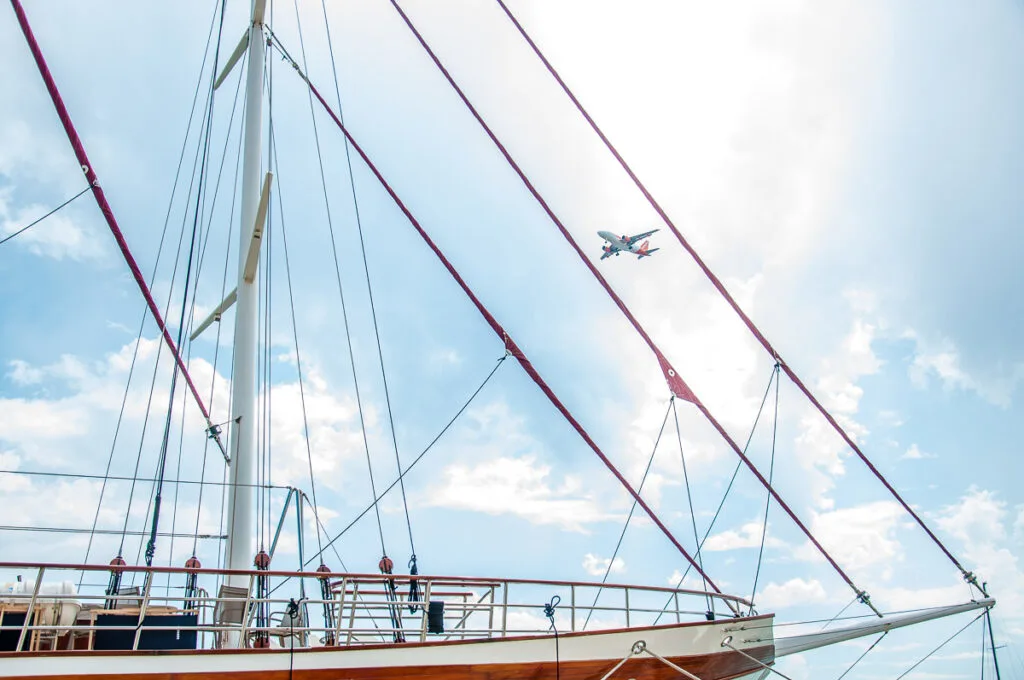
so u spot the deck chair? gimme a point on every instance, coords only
(229, 611)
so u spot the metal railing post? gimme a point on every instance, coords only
(352, 613)
(341, 610)
(142, 609)
(242, 642)
(490, 614)
(504, 609)
(426, 605)
(627, 606)
(30, 613)
(572, 607)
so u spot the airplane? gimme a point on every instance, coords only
(619, 244)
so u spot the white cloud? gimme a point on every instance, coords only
(58, 236)
(915, 453)
(859, 537)
(518, 486)
(747, 536)
(792, 593)
(819, 448)
(941, 359)
(596, 566)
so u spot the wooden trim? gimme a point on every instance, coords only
(725, 665)
(391, 645)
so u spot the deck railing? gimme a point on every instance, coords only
(361, 609)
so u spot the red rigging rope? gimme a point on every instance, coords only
(673, 378)
(717, 283)
(510, 346)
(101, 200)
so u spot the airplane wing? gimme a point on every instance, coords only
(633, 239)
(606, 254)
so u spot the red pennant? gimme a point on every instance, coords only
(675, 383)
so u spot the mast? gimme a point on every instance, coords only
(241, 527)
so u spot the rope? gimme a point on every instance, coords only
(510, 346)
(689, 502)
(369, 287)
(156, 264)
(670, 374)
(295, 337)
(873, 645)
(720, 287)
(725, 495)
(74, 475)
(943, 644)
(7, 238)
(549, 612)
(992, 640)
(223, 287)
(727, 642)
(629, 517)
(416, 460)
(101, 200)
(193, 246)
(768, 500)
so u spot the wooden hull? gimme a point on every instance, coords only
(581, 656)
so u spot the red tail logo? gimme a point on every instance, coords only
(643, 248)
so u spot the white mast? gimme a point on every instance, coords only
(241, 527)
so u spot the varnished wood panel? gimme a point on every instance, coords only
(720, 666)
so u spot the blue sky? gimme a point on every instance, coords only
(849, 169)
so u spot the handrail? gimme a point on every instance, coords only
(377, 578)
(361, 606)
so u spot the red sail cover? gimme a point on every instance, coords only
(676, 384)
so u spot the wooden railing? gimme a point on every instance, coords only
(365, 609)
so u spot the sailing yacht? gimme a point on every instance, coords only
(249, 618)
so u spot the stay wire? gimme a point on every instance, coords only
(223, 289)
(689, 501)
(341, 295)
(156, 264)
(768, 500)
(298, 357)
(366, 270)
(873, 645)
(728, 489)
(7, 238)
(327, 203)
(418, 458)
(629, 517)
(167, 306)
(943, 644)
(193, 248)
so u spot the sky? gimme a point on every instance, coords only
(849, 169)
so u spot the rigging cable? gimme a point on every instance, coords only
(223, 287)
(725, 495)
(7, 238)
(873, 645)
(510, 346)
(298, 357)
(193, 247)
(689, 501)
(369, 289)
(943, 644)
(675, 381)
(417, 459)
(768, 500)
(156, 264)
(717, 283)
(101, 200)
(629, 517)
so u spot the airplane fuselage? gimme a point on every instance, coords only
(626, 244)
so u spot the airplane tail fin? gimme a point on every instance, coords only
(644, 251)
